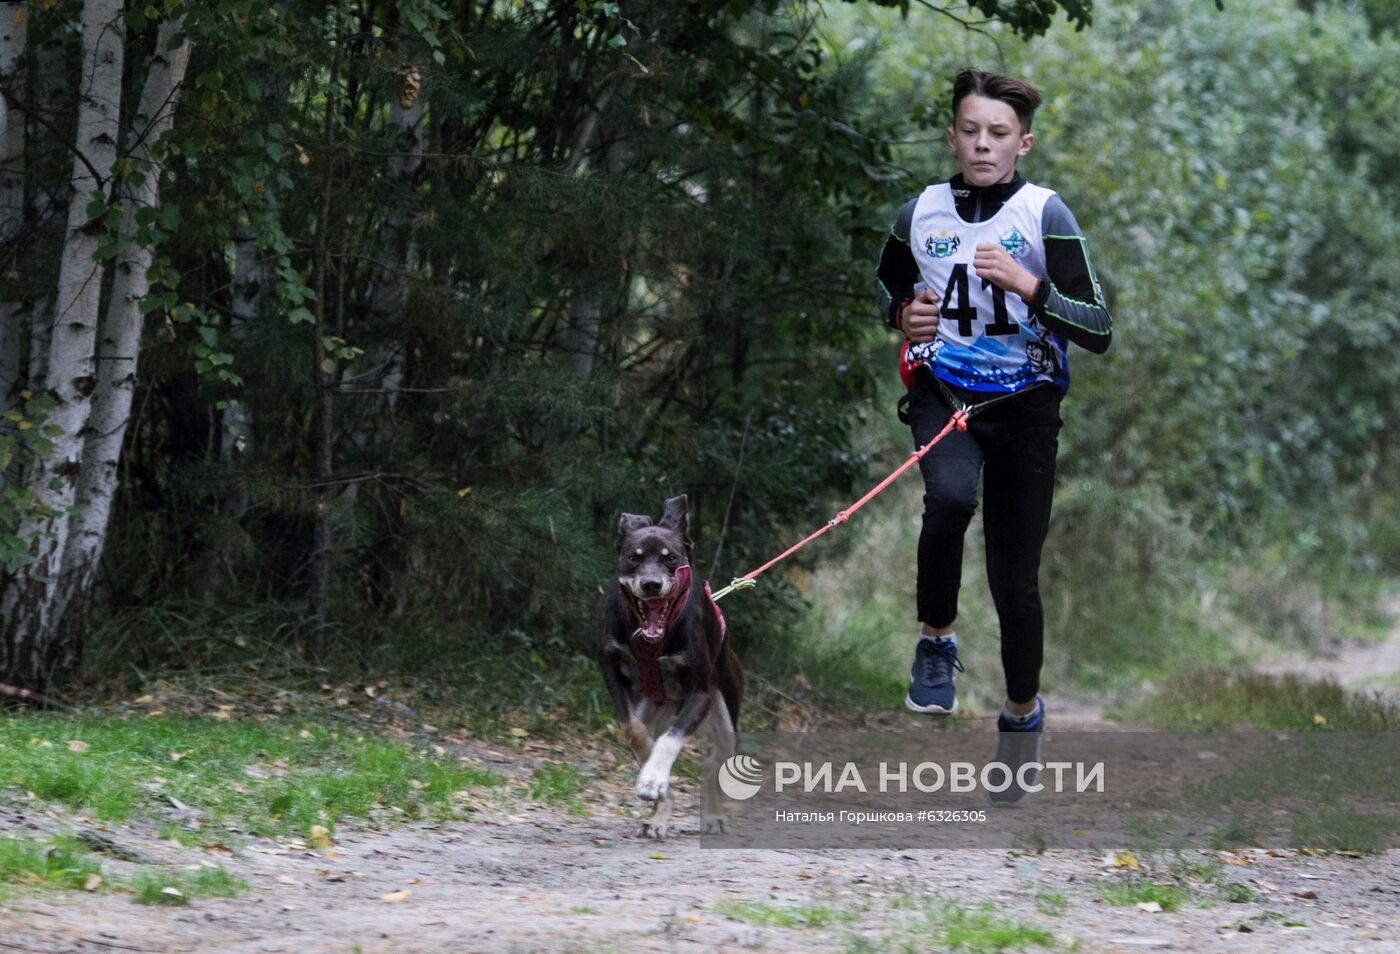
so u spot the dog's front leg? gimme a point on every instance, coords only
(655, 778)
(629, 707)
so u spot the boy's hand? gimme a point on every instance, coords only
(994, 263)
(919, 319)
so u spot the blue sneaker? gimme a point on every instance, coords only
(931, 677)
(1017, 743)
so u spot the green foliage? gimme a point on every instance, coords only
(630, 257)
(1227, 465)
(24, 438)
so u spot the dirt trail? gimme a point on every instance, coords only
(541, 880)
(1364, 666)
(528, 877)
(523, 876)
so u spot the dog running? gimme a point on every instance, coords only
(666, 661)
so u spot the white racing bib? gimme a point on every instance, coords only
(987, 340)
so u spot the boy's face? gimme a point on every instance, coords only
(987, 139)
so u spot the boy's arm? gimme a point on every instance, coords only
(898, 271)
(1071, 302)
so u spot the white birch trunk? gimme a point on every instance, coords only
(397, 256)
(120, 344)
(14, 35)
(29, 608)
(253, 287)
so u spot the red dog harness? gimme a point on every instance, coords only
(655, 620)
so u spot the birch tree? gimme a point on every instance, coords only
(91, 357)
(120, 343)
(30, 605)
(14, 31)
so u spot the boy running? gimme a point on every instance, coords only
(988, 278)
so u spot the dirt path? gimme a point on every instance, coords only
(1364, 666)
(528, 877)
(523, 876)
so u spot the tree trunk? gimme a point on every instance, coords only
(321, 384)
(30, 611)
(121, 337)
(48, 197)
(252, 291)
(387, 296)
(14, 34)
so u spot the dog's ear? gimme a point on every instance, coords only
(676, 515)
(629, 522)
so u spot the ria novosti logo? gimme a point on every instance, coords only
(740, 777)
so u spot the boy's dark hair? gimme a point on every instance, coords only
(1016, 93)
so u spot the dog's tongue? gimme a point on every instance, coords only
(652, 615)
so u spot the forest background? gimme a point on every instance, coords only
(346, 330)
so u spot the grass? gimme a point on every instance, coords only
(1129, 893)
(57, 863)
(1237, 893)
(765, 915)
(941, 924)
(1330, 784)
(64, 863)
(1345, 829)
(982, 931)
(1215, 699)
(181, 887)
(262, 779)
(948, 925)
(1053, 903)
(559, 785)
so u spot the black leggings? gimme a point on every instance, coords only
(1015, 440)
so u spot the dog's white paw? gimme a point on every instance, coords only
(657, 830)
(715, 825)
(651, 788)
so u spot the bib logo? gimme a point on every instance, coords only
(941, 245)
(1015, 243)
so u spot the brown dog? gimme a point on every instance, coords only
(667, 662)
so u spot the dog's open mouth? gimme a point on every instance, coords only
(651, 616)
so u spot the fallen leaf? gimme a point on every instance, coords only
(1309, 895)
(76, 745)
(1126, 859)
(320, 836)
(395, 897)
(518, 732)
